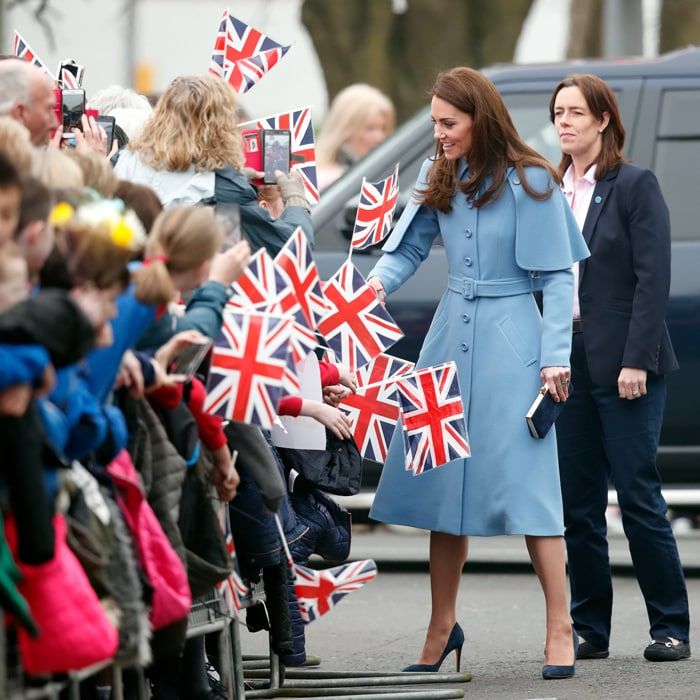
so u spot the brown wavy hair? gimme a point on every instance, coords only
(600, 99)
(496, 145)
(193, 124)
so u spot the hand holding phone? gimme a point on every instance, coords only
(277, 145)
(107, 123)
(72, 110)
(187, 361)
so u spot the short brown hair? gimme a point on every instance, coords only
(142, 200)
(600, 99)
(496, 145)
(37, 201)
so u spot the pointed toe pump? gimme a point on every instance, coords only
(455, 642)
(551, 673)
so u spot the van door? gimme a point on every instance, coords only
(669, 142)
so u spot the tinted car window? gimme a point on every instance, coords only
(676, 156)
(530, 114)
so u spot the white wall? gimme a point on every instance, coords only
(176, 37)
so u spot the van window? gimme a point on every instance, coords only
(676, 156)
(530, 114)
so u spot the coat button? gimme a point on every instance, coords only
(516, 181)
(464, 347)
(470, 204)
(468, 233)
(468, 261)
(466, 318)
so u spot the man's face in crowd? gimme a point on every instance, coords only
(38, 115)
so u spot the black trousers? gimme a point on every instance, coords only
(602, 437)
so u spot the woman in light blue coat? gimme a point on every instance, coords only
(507, 232)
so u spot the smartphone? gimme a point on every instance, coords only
(229, 216)
(72, 109)
(107, 123)
(277, 146)
(187, 361)
(75, 76)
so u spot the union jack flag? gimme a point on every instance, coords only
(247, 369)
(232, 588)
(301, 274)
(374, 408)
(318, 591)
(21, 49)
(357, 327)
(264, 288)
(260, 284)
(303, 147)
(376, 210)
(242, 54)
(432, 416)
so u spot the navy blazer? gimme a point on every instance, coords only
(624, 284)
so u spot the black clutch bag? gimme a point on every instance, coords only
(543, 412)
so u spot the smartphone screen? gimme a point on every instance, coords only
(76, 71)
(188, 360)
(107, 123)
(276, 151)
(72, 109)
(229, 216)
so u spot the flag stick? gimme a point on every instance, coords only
(283, 539)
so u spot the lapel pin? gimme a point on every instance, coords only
(598, 199)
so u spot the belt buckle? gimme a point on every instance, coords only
(468, 288)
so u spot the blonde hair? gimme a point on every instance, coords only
(16, 145)
(350, 110)
(193, 124)
(181, 239)
(56, 170)
(97, 172)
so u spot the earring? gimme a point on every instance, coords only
(600, 131)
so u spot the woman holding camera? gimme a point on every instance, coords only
(190, 151)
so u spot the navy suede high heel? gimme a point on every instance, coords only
(455, 642)
(551, 673)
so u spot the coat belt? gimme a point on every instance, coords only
(470, 288)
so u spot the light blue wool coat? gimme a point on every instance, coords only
(511, 247)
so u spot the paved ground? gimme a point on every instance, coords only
(380, 628)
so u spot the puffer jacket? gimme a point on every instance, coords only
(166, 573)
(161, 468)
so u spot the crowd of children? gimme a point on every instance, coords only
(109, 457)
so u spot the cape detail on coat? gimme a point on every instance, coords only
(540, 243)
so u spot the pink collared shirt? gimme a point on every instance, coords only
(578, 194)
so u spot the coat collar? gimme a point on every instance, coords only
(600, 196)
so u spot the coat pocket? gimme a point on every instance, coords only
(437, 327)
(517, 342)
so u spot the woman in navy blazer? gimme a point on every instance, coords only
(621, 351)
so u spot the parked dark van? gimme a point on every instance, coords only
(659, 101)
